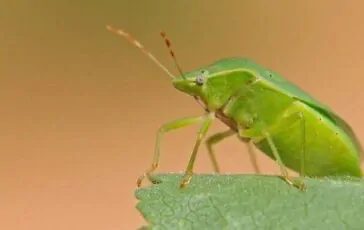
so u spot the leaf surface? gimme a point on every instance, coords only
(252, 202)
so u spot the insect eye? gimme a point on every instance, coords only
(200, 79)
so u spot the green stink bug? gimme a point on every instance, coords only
(261, 107)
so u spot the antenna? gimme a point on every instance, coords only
(168, 44)
(139, 45)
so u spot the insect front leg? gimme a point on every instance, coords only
(184, 122)
(213, 140)
(266, 133)
(201, 135)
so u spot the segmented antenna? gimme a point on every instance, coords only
(139, 45)
(168, 44)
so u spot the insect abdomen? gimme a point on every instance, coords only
(328, 150)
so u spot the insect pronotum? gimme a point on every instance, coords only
(262, 108)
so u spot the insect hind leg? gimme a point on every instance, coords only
(267, 132)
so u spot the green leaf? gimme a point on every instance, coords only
(252, 202)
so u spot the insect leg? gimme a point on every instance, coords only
(213, 140)
(162, 130)
(201, 135)
(288, 122)
(285, 176)
(253, 157)
(303, 150)
(266, 133)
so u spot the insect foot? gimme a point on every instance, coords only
(186, 180)
(148, 174)
(297, 183)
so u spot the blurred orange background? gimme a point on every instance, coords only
(80, 107)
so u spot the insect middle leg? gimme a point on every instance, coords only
(219, 137)
(266, 133)
(184, 122)
(213, 140)
(253, 157)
